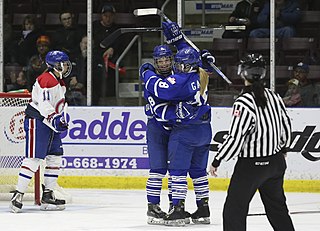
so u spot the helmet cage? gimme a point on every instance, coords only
(63, 68)
(162, 58)
(59, 62)
(163, 65)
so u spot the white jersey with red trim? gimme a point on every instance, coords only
(48, 95)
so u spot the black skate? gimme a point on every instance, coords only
(188, 215)
(177, 215)
(155, 214)
(49, 202)
(202, 215)
(16, 202)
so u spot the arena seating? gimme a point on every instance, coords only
(262, 46)
(294, 50)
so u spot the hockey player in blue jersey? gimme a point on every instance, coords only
(43, 124)
(158, 131)
(190, 137)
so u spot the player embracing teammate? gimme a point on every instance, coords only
(43, 124)
(178, 130)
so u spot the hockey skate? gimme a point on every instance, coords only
(49, 202)
(188, 215)
(16, 202)
(202, 214)
(177, 215)
(155, 214)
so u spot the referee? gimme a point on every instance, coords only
(259, 135)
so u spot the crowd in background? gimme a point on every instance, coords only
(24, 50)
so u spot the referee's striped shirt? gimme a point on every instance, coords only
(256, 132)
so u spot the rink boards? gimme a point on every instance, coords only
(105, 147)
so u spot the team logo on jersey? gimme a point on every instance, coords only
(236, 113)
(171, 80)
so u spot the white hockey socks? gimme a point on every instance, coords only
(52, 171)
(28, 168)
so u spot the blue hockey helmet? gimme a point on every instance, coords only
(187, 60)
(59, 62)
(162, 57)
(252, 67)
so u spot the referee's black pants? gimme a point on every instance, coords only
(266, 175)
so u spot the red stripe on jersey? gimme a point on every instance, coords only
(47, 80)
(31, 138)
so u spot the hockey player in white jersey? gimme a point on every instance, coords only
(43, 124)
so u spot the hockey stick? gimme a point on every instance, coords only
(155, 11)
(65, 111)
(117, 33)
(308, 156)
(296, 212)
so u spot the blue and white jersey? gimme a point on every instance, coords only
(164, 94)
(176, 87)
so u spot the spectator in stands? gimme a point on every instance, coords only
(76, 93)
(245, 14)
(287, 15)
(18, 82)
(69, 35)
(102, 28)
(292, 96)
(309, 92)
(77, 84)
(25, 45)
(37, 64)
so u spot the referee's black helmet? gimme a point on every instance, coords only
(252, 67)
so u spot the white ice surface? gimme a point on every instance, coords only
(121, 210)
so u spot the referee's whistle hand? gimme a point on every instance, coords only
(213, 171)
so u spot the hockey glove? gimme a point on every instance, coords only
(172, 32)
(59, 124)
(145, 67)
(207, 60)
(185, 110)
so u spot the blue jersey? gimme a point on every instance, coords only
(155, 108)
(174, 88)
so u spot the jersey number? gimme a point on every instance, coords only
(46, 95)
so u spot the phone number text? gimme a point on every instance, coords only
(105, 163)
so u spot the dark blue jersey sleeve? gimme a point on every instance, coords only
(180, 87)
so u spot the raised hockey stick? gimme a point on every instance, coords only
(113, 36)
(155, 11)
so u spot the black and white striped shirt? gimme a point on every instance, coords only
(255, 131)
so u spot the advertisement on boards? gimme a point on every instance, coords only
(112, 141)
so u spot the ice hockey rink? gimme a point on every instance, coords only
(126, 210)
